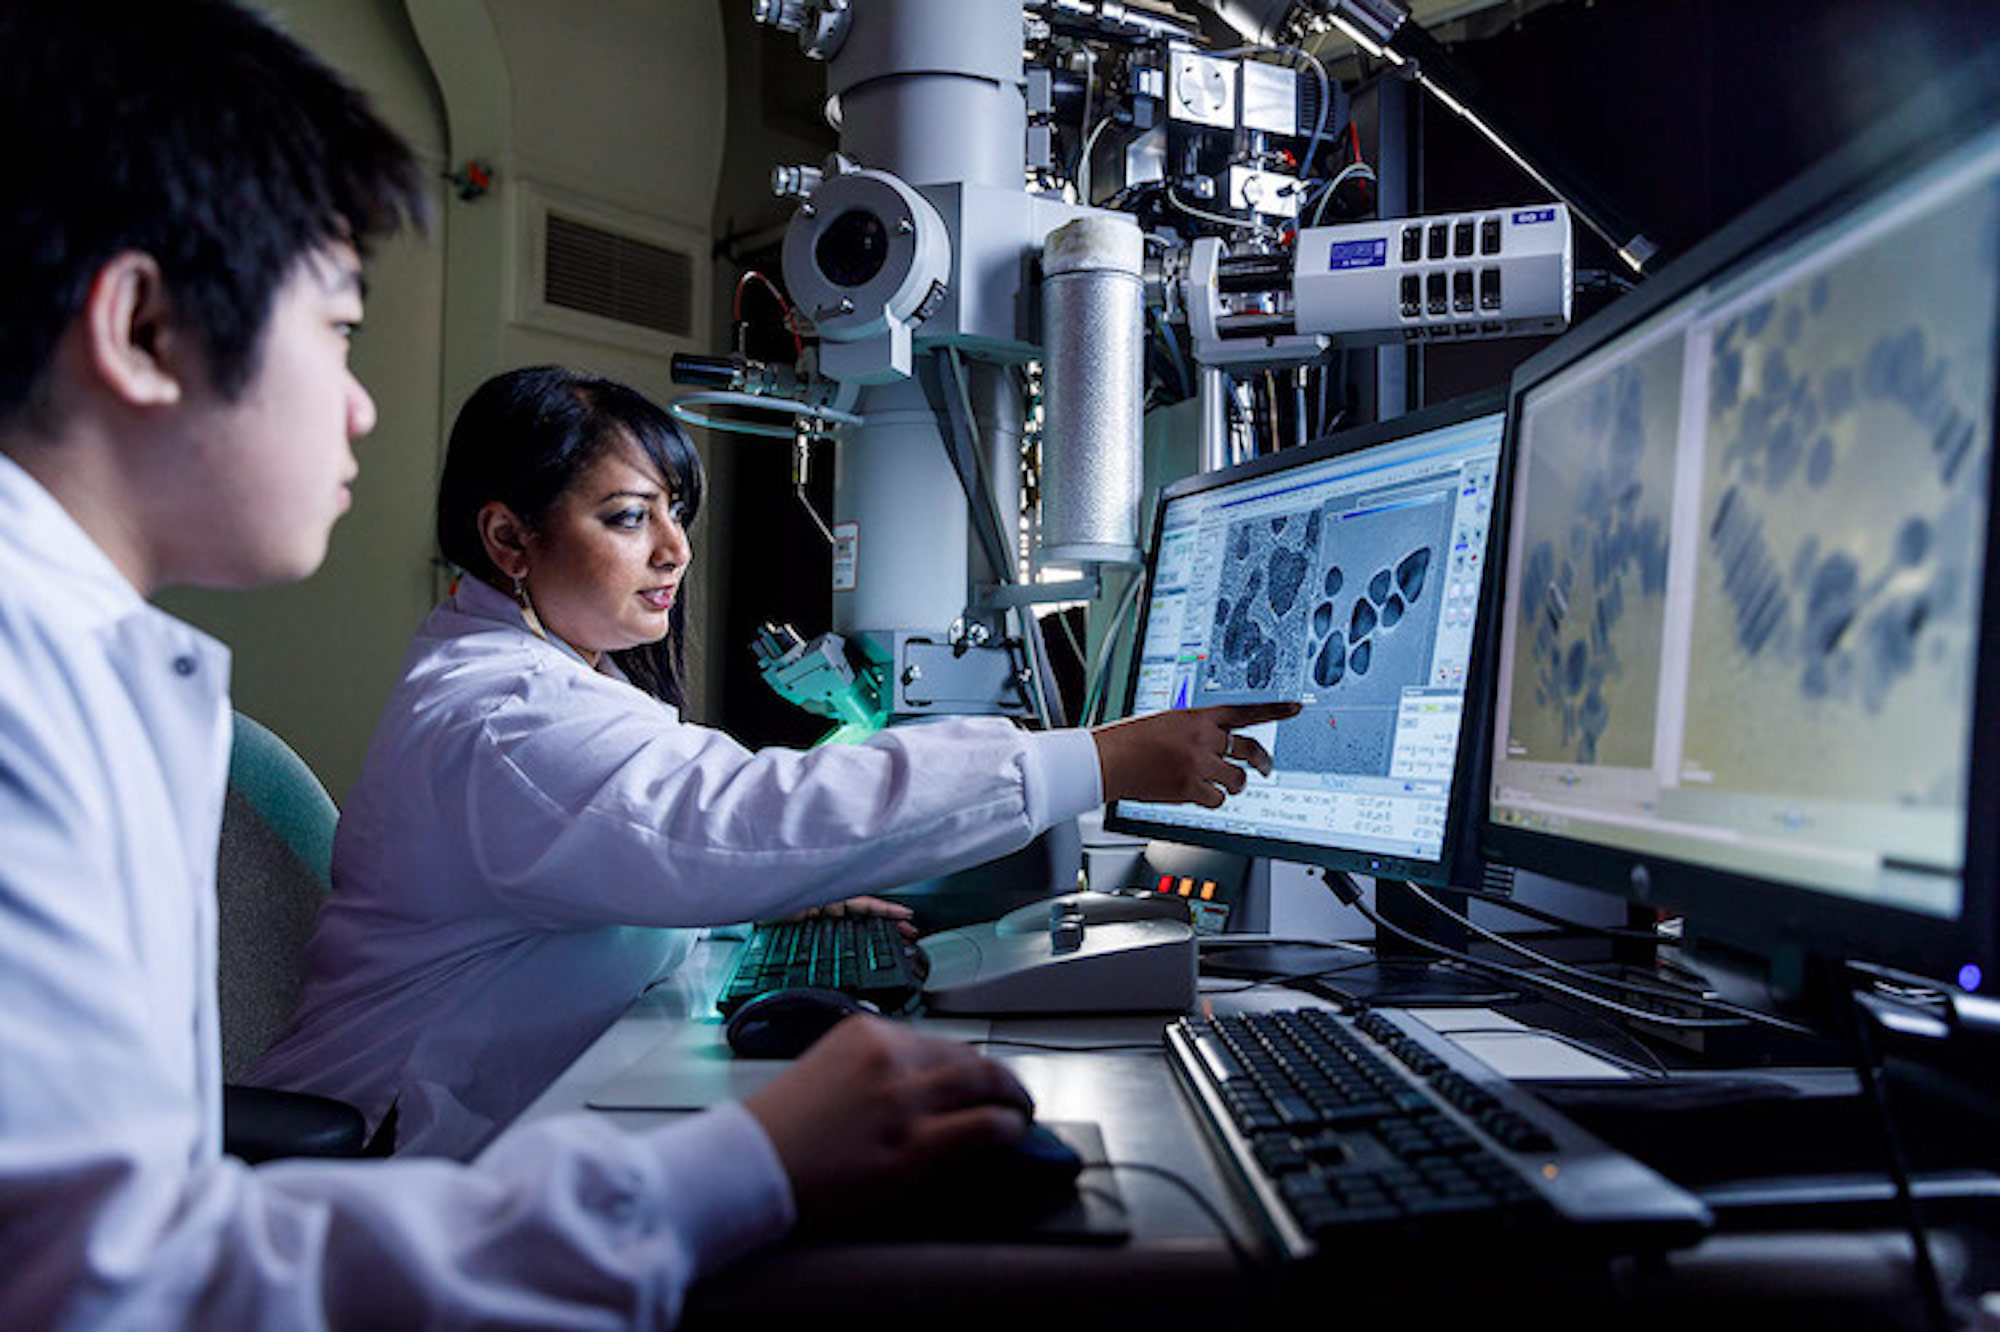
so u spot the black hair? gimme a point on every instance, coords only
(189, 130)
(524, 438)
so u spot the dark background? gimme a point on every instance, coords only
(1681, 113)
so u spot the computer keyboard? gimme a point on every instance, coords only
(1351, 1130)
(861, 955)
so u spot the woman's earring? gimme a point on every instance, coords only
(528, 616)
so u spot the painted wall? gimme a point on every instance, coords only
(615, 110)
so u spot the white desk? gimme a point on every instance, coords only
(1177, 1271)
(1175, 1248)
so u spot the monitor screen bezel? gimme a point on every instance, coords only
(1467, 776)
(1776, 921)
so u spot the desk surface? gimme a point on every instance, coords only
(1178, 1269)
(1129, 1095)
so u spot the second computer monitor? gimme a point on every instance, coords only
(1748, 661)
(1347, 575)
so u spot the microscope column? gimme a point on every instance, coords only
(931, 92)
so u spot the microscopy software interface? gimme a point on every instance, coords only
(1352, 585)
(1743, 601)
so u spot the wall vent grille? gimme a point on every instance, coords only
(616, 277)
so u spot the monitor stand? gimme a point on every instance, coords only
(1398, 975)
(1416, 982)
(1404, 975)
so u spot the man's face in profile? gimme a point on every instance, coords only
(274, 463)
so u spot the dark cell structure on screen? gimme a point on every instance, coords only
(1256, 646)
(1371, 631)
(1594, 567)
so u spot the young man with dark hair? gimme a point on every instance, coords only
(186, 199)
(186, 202)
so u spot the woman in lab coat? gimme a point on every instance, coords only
(536, 826)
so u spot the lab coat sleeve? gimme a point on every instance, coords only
(570, 1223)
(578, 809)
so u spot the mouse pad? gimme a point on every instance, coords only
(693, 1068)
(1094, 1215)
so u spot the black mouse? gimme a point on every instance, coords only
(991, 1191)
(781, 1024)
(1037, 1173)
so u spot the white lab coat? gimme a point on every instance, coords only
(117, 1207)
(524, 826)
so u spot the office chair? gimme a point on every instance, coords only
(273, 871)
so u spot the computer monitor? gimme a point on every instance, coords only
(1745, 670)
(1349, 575)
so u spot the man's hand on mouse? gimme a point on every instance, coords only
(873, 1105)
(1192, 754)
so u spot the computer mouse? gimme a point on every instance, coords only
(782, 1024)
(994, 1190)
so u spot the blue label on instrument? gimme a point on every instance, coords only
(1529, 216)
(1357, 254)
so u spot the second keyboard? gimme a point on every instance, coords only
(864, 956)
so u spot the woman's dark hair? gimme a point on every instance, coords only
(194, 132)
(524, 438)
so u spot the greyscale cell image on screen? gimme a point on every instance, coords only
(1336, 605)
(1843, 519)
(1257, 645)
(1371, 631)
(1594, 567)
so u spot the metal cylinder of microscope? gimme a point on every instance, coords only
(1093, 390)
(901, 526)
(931, 92)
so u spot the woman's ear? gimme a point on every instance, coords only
(134, 347)
(505, 537)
